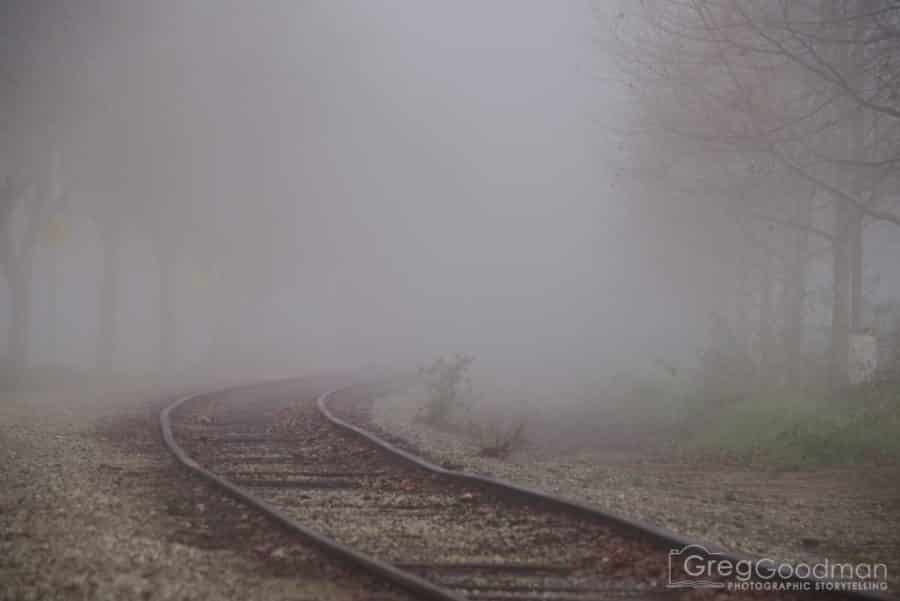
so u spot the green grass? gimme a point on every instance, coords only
(791, 429)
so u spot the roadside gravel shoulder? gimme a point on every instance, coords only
(92, 507)
(845, 515)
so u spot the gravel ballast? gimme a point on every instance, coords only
(93, 507)
(839, 514)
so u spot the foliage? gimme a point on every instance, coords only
(208, 410)
(797, 429)
(719, 411)
(887, 322)
(448, 406)
(497, 438)
(445, 381)
(748, 109)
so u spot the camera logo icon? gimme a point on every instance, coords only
(693, 566)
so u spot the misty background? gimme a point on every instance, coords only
(315, 185)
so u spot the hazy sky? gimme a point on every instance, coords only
(372, 180)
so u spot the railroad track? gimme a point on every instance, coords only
(304, 460)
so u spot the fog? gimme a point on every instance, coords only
(333, 184)
(640, 255)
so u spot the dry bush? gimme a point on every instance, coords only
(447, 385)
(208, 411)
(288, 419)
(498, 438)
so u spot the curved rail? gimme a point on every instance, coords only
(399, 577)
(407, 580)
(647, 530)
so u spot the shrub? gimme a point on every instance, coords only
(498, 439)
(208, 411)
(445, 381)
(794, 429)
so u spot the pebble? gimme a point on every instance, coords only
(67, 531)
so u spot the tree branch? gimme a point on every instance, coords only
(837, 192)
(791, 224)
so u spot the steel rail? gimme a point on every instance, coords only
(584, 510)
(402, 579)
(407, 580)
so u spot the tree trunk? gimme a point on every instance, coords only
(109, 298)
(167, 326)
(795, 292)
(19, 264)
(840, 309)
(58, 197)
(742, 293)
(842, 271)
(855, 252)
(766, 316)
(53, 310)
(20, 314)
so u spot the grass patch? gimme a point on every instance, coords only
(793, 429)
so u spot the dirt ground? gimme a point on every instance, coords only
(842, 514)
(92, 507)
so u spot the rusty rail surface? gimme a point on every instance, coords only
(403, 578)
(643, 529)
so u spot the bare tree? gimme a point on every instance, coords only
(18, 251)
(805, 91)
